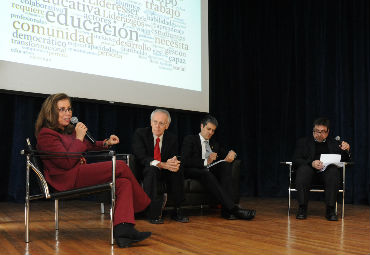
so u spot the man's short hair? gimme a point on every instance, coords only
(163, 111)
(209, 119)
(322, 122)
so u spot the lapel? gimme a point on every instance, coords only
(150, 140)
(198, 144)
(212, 143)
(164, 145)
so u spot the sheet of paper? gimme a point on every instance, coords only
(330, 159)
(215, 163)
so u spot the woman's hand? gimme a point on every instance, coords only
(81, 130)
(113, 139)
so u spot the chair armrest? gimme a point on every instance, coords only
(288, 163)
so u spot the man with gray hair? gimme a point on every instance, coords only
(156, 150)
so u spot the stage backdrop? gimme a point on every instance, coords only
(274, 67)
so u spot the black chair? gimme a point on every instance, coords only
(315, 187)
(33, 162)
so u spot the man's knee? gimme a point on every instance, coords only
(332, 171)
(225, 165)
(150, 171)
(332, 175)
(207, 176)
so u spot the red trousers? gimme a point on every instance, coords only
(130, 197)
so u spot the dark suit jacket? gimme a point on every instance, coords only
(191, 151)
(143, 146)
(305, 151)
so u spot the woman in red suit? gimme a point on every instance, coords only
(55, 133)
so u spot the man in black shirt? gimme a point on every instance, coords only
(306, 161)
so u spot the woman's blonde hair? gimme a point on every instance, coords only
(49, 115)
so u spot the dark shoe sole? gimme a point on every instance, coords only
(249, 218)
(124, 242)
(182, 220)
(301, 217)
(332, 218)
(156, 221)
(229, 217)
(252, 213)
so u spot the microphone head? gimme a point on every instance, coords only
(74, 120)
(337, 138)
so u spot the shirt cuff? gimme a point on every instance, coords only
(154, 163)
(205, 162)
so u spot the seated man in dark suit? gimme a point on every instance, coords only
(198, 151)
(306, 161)
(155, 150)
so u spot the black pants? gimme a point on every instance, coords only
(306, 175)
(217, 181)
(174, 183)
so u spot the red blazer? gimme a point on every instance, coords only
(61, 172)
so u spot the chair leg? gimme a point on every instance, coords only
(111, 225)
(111, 212)
(102, 208)
(27, 220)
(343, 204)
(56, 214)
(289, 194)
(27, 205)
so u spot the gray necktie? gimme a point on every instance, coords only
(208, 149)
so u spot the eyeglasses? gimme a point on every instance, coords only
(161, 124)
(319, 131)
(65, 110)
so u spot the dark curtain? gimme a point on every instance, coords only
(274, 67)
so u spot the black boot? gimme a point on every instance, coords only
(125, 234)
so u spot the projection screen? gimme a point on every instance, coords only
(145, 52)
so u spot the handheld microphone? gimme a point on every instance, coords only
(88, 136)
(337, 138)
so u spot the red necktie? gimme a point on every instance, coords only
(157, 152)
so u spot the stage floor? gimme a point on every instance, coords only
(83, 230)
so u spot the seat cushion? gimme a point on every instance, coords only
(193, 186)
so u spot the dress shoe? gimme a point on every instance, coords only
(156, 220)
(228, 216)
(244, 214)
(178, 215)
(330, 214)
(302, 213)
(125, 234)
